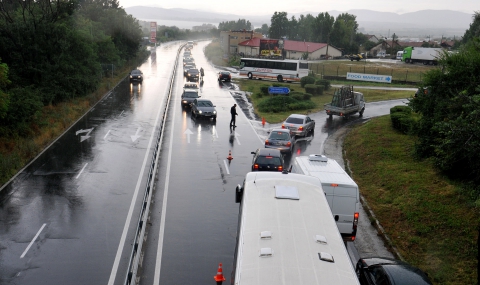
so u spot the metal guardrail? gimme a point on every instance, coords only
(136, 253)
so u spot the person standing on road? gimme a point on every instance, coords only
(233, 112)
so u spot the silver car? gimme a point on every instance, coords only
(203, 108)
(280, 139)
(299, 125)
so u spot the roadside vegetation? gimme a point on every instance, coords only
(428, 217)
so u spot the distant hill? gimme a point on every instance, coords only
(433, 23)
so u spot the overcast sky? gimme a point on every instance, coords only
(255, 7)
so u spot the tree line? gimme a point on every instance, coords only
(51, 51)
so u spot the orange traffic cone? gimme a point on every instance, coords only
(263, 121)
(219, 277)
(229, 157)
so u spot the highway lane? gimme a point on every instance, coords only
(65, 218)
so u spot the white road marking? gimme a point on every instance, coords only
(33, 240)
(81, 171)
(106, 134)
(158, 263)
(236, 138)
(226, 166)
(188, 133)
(123, 238)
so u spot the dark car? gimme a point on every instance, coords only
(188, 95)
(203, 108)
(280, 139)
(188, 67)
(387, 271)
(193, 74)
(299, 125)
(267, 159)
(224, 76)
(188, 60)
(136, 76)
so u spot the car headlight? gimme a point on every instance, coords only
(184, 101)
(214, 112)
(199, 111)
(131, 76)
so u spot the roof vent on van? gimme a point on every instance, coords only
(325, 256)
(266, 252)
(266, 235)
(321, 239)
(286, 192)
(318, 157)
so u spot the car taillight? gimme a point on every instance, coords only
(255, 166)
(229, 76)
(266, 142)
(283, 126)
(280, 168)
(355, 220)
(300, 128)
(289, 144)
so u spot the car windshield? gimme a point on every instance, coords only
(292, 120)
(279, 136)
(136, 72)
(268, 160)
(190, 94)
(193, 71)
(205, 104)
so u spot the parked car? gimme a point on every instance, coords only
(203, 108)
(299, 125)
(136, 76)
(281, 139)
(267, 159)
(386, 271)
(188, 95)
(224, 76)
(193, 74)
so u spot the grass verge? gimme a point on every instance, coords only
(427, 217)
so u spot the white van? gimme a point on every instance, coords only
(341, 191)
(286, 234)
(399, 55)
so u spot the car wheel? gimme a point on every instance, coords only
(250, 76)
(280, 78)
(361, 112)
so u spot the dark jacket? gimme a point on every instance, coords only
(233, 111)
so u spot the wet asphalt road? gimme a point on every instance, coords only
(86, 188)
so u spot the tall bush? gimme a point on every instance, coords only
(307, 80)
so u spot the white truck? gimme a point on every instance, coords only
(345, 102)
(421, 54)
(341, 191)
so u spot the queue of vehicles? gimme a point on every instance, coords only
(294, 224)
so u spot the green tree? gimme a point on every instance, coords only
(241, 24)
(263, 30)
(292, 31)
(343, 33)
(279, 25)
(305, 28)
(474, 30)
(4, 98)
(449, 129)
(323, 27)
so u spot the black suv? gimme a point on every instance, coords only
(267, 159)
(193, 74)
(224, 76)
(136, 76)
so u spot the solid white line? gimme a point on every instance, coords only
(158, 263)
(33, 240)
(121, 245)
(238, 140)
(106, 134)
(81, 171)
(226, 166)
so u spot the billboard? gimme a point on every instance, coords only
(270, 47)
(153, 32)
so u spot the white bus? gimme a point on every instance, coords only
(279, 69)
(286, 233)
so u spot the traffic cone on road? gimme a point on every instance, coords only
(229, 157)
(263, 121)
(219, 277)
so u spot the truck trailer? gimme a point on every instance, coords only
(420, 54)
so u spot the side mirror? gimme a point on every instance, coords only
(252, 152)
(238, 193)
